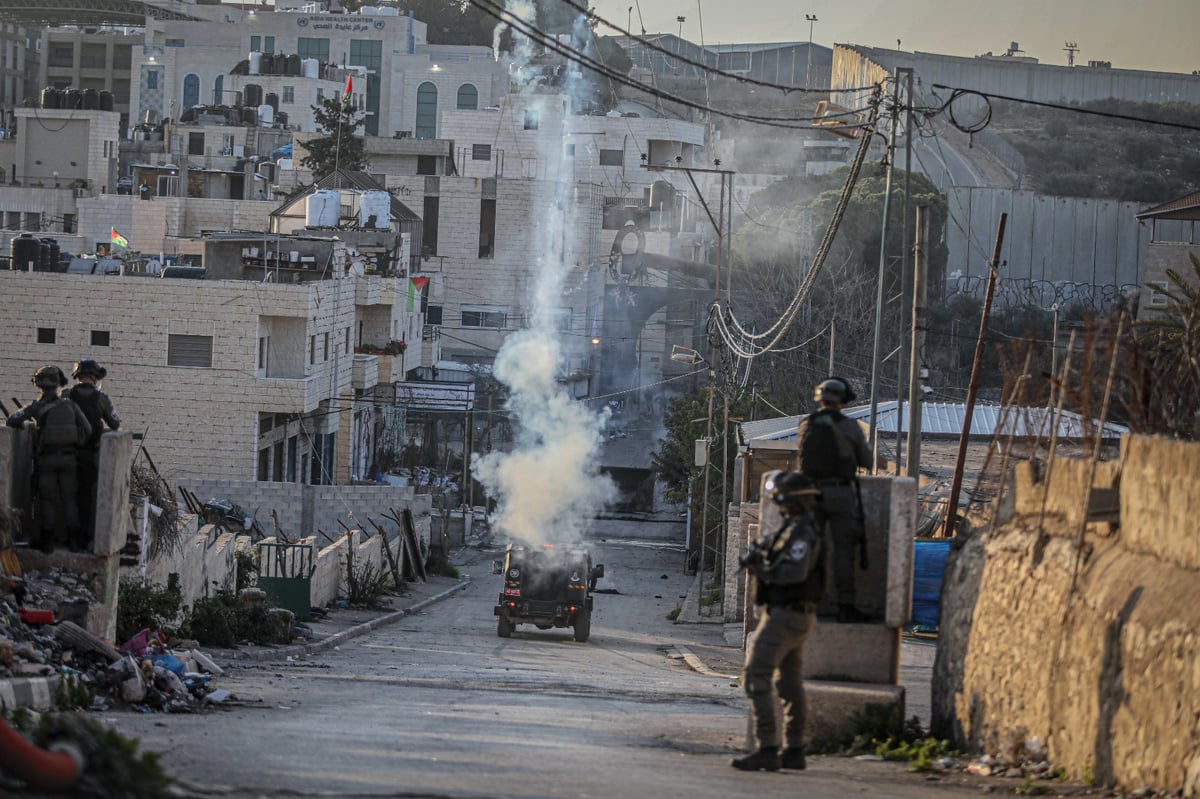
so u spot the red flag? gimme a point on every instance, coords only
(349, 90)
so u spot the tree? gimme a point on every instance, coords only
(773, 249)
(453, 21)
(339, 148)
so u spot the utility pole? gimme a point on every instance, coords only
(1070, 49)
(904, 249)
(832, 339)
(973, 388)
(913, 458)
(872, 438)
(812, 18)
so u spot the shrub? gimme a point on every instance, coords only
(150, 605)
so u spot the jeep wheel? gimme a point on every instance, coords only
(504, 627)
(583, 625)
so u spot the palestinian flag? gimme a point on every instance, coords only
(118, 240)
(346, 94)
(415, 286)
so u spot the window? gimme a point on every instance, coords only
(612, 157)
(289, 94)
(195, 351)
(100, 338)
(191, 91)
(468, 97)
(68, 223)
(256, 44)
(484, 316)
(326, 348)
(269, 44)
(531, 120)
(347, 346)
(47, 335)
(152, 79)
(218, 90)
(487, 228)
(264, 459)
(562, 319)
(262, 352)
(481, 152)
(307, 47)
(427, 97)
(430, 225)
(312, 349)
(195, 144)
(175, 43)
(426, 164)
(433, 315)
(570, 151)
(291, 459)
(277, 463)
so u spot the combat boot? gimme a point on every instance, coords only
(793, 758)
(765, 759)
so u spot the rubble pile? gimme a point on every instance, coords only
(42, 634)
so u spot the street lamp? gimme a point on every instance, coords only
(679, 42)
(812, 18)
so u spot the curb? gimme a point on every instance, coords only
(35, 693)
(698, 665)
(337, 638)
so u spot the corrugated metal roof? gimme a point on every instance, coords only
(1186, 207)
(946, 419)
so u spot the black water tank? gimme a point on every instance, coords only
(74, 99)
(91, 99)
(106, 100)
(272, 99)
(293, 64)
(43, 264)
(53, 256)
(51, 97)
(25, 248)
(281, 119)
(250, 116)
(253, 95)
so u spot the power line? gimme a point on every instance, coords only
(535, 34)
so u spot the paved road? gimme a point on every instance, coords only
(438, 705)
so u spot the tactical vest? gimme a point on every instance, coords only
(58, 427)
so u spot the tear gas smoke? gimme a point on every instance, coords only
(549, 486)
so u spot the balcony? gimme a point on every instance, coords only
(364, 374)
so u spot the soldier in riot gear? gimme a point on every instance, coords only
(98, 409)
(60, 431)
(789, 579)
(832, 450)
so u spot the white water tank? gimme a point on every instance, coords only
(324, 208)
(266, 115)
(255, 62)
(374, 210)
(310, 68)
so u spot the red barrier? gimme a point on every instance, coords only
(54, 769)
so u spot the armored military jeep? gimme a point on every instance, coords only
(546, 586)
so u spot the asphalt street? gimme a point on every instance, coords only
(435, 704)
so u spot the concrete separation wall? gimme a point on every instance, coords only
(1087, 645)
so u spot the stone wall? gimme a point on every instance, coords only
(1085, 642)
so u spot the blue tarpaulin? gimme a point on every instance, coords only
(929, 561)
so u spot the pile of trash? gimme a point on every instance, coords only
(43, 634)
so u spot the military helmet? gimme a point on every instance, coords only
(791, 490)
(49, 377)
(834, 389)
(88, 367)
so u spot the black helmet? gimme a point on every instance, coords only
(88, 367)
(791, 490)
(49, 377)
(834, 389)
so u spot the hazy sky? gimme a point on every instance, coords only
(1132, 34)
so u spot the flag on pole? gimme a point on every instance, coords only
(346, 94)
(119, 240)
(415, 286)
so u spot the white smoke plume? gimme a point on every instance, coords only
(549, 486)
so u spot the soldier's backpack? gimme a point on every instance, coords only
(825, 451)
(792, 559)
(59, 427)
